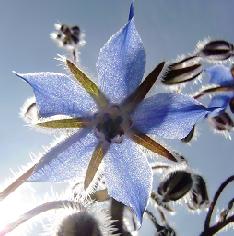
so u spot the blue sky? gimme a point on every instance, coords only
(167, 28)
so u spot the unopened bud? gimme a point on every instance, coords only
(182, 71)
(81, 223)
(222, 122)
(165, 230)
(175, 186)
(231, 105)
(199, 196)
(218, 50)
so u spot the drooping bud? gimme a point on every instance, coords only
(159, 203)
(231, 105)
(182, 71)
(222, 122)
(198, 195)
(175, 186)
(165, 230)
(81, 223)
(218, 50)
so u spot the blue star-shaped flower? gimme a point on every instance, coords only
(113, 118)
(222, 76)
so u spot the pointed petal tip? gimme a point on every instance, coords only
(19, 75)
(131, 12)
(121, 63)
(135, 182)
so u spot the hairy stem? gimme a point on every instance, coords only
(34, 212)
(19, 181)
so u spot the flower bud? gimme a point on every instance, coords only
(182, 71)
(81, 223)
(222, 122)
(217, 50)
(175, 186)
(165, 230)
(231, 105)
(199, 196)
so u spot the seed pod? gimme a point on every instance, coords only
(222, 122)
(199, 196)
(175, 186)
(81, 224)
(218, 50)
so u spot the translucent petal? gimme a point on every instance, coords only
(121, 62)
(221, 100)
(168, 115)
(66, 160)
(59, 94)
(220, 74)
(128, 176)
(90, 87)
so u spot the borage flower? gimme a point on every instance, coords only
(223, 95)
(114, 118)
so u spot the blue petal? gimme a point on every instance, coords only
(169, 115)
(59, 94)
(67, 160)
(220, 74)
(221, 100)
(121, 62)
(128, 176)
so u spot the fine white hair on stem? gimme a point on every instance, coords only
(14, 184)
(200, 44)
(98, 212)
(36, 211)
(28, 170)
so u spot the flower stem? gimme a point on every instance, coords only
(19, 181)
(207, 227)
(34, 212)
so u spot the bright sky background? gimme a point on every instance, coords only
(168, 29)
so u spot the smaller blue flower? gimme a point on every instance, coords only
(110, 121)
(222, 76)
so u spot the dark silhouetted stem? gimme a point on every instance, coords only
(213, 203)
(217, 227)
(153, 219)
